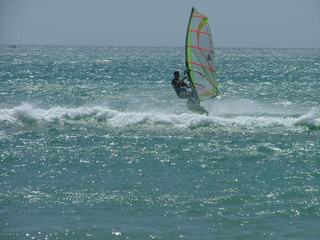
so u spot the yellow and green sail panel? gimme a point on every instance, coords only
(200, 57)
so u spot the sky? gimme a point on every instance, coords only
(160, 23)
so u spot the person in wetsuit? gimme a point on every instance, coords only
(180, 86)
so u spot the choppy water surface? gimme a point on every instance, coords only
(96, 145)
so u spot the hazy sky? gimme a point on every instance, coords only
(235, 23)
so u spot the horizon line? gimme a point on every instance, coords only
(137, 46)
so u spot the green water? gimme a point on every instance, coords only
(94, 144)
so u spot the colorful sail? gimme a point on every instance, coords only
(200, 57)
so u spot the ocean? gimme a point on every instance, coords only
(95, 144)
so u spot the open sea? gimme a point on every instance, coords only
(95, 144)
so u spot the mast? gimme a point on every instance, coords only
(187, 39)
(195, 94)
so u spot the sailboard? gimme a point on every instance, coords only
(200, 63)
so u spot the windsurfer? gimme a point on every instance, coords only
(180, 86)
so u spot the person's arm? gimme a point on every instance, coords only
(181, 82)
(184, 83)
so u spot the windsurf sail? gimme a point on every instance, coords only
(200, 57)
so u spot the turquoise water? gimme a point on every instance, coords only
(96, 145)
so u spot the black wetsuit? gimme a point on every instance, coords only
(178, 87)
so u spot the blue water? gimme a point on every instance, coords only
(94, 144)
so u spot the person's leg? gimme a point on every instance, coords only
(185, 94)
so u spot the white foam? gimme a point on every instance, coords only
(225, 115)
(248, 107)
(312, 118)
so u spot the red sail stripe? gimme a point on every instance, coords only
(204, 90)
(200, 16)
(203, 49)
(202, 66)
(199, 32)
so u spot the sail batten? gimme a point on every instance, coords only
(200, 57)
(199, 32)
(199, 64)
(207, 50)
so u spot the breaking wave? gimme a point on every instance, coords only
(29, 114)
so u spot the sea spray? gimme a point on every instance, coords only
(100, 147)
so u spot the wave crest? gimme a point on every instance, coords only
(30, 114)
